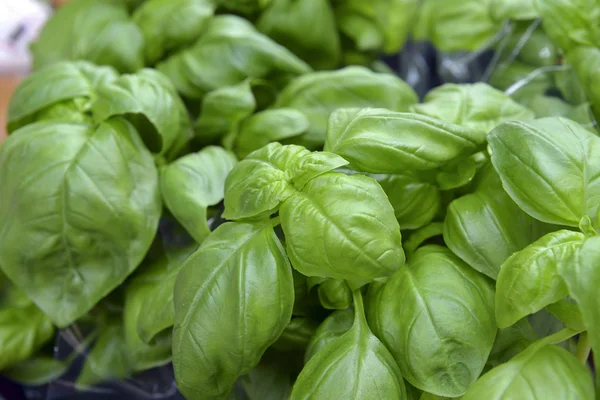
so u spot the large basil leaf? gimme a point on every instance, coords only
(571, 23)
(89, 198)
(342, 226)
(230, 51)
(486, 227)
(334, 326)
(168, 25)
(317, 43)
(24, 328)
(530, 279)
(63, 91)
(540, 372)
(108, 359)
(377, 25)
(268, 126)
(222, 109)
(550, 167)
(437, 319)
(455, 25)
(416, 199)
(320, 93)
(387, 142)
(193, 183)
(358, 358)
(150, 295)
(582, 279)
(91, 30)
(150, 102)
(257, 185)
(478, 106)
(233, 299)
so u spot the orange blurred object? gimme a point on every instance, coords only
(8, 84)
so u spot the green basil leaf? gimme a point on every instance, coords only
(582, 279)
(89, 197)
(530, 279)
(193, 183)
(168, 25)
(437, 319)
(259, 183)
(421, 235)
(455, 25)
(108, 359)
(63, 91)
(24, 328)
(486, 227)
(456, 174)
(557, 183)
(38, 370)
(285, 22)
(242, 259)
(268, 381)
(334, 326)
(512, 75)
(583, 58)
(244, 6)
(150, 292)
(531, 43)
(335, 294)
(569, 313)
(309, 166)
(478, 106)
(230, 51)
(372, 300)
(318, 94)
(149, 101)
(296, 335)
(502, 10)
(416, 199)
(357, 356)
(335, 205)
(571, 89)
(91, 30)
(542, 371)
(222, 109)
(570, 23)
(387, 142)
(268, 126)
(510, 342)
(377, 25)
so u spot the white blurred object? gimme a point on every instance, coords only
(20, 23)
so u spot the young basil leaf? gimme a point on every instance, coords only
(335, 205)
(168, 25)
(387, 142)
(557, 183)
(150, 102)
(569, 313)
(421, 235)
(436, 315)
(318, 94)
(222, 109)
(377, 25)
(230, 51)
(193, 183)
(582, 279)
(335, 294)
(240, 276)
(334, 326)
(502, 10)
(91, 30)
(63, 91)
(415, 198)
(486, 227)
(456, 174)
(540, 372)
(296, 335)
(89, 197)
(268, 126)
(356, 357)
(530, 279)
(109, 358)
(510, 342)
(24, 328)
(257, 185)
(150, 292)
(478, 106)
(36, 371)
(455, 25)
(318, 44)
(309, 166)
